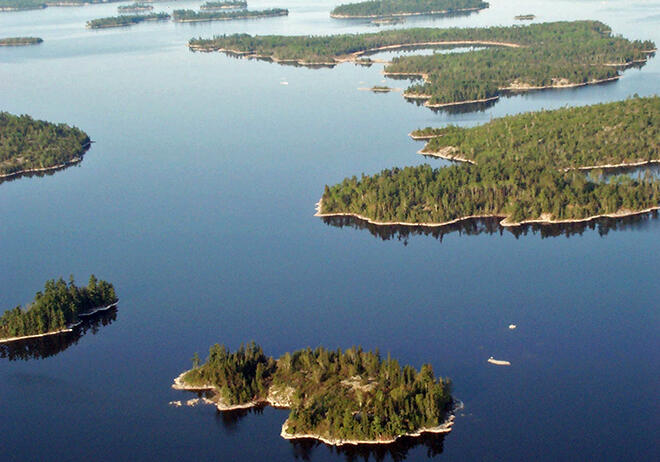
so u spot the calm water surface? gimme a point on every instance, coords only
(196, 201)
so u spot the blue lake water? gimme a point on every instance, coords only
(197, 202)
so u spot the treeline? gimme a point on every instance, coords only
(57, 307)
(549, 54)
(26, 144)
(518, 177)
(351, 394)
(228, 5)
(18, 41)
(198, 16)
(383, 8)
(126, 20)
(135, 7)
(612, 133)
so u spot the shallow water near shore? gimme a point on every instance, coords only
(197, 200)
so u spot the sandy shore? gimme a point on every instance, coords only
(498, 362)
(446, 153)
(422, 137)
(514, 87)
(613, 166)
(504, 219)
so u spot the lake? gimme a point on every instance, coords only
(197, 200)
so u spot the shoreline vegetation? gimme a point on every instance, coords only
(515, 59)
(523, 169)
(338, 397)
(20, 41)
(383, 9)
(34, 146)
(204, 16)
(125, 20)
(58, 309)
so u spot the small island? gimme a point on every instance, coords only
(337, 397)
(35, 146)
(19, 41)
(512, 59)
(524, 17)
(135, 8)
(226, 5)
(397, 8)
(201, 16)
(125, 20)
(522, 169)
(58, 309)
(22, 5)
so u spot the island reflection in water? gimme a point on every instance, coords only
(44, 347)
(474, 227)
(304, 449)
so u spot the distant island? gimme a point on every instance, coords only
(227, 5)
(135, 8)
(21, 5)
(338, 397)
(393, 8)
(524, 17)
(57, 309)
(19, 41)
(126, 20)
(527, 168)
(202, 16)
(32, 146)
(515, 59)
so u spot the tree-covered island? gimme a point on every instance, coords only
(516, 58)
(28, 145)
(204, 16)
(19, 41)
(21, 5)
(57, 309)
(135, 8)
(226, 5)
(528, 168)
(339, 397)
(393, 8)
(126, 20)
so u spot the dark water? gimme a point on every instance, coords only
(196, 201)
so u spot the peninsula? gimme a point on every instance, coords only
(57, 309)
(19, 41)
(125, 20)
(31, 146)
(513, 59)
(374, 9)
(226, 5)
(527, 168)
(202, 16)
(338, 397)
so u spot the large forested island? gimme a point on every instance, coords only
(339, 397)
(393, 8)
(125, 20)
(28, 145)
(525, 168)
(20, 41)
(57, 309)
(203, 16)
(517, 58)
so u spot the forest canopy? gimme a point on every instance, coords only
(27, 144)
(518, 58)
(57, 307)
(334, 394)
(126, 20)
(526, 169)
(199, 16)
(388, 8)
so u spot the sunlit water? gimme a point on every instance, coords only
(196, 201)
